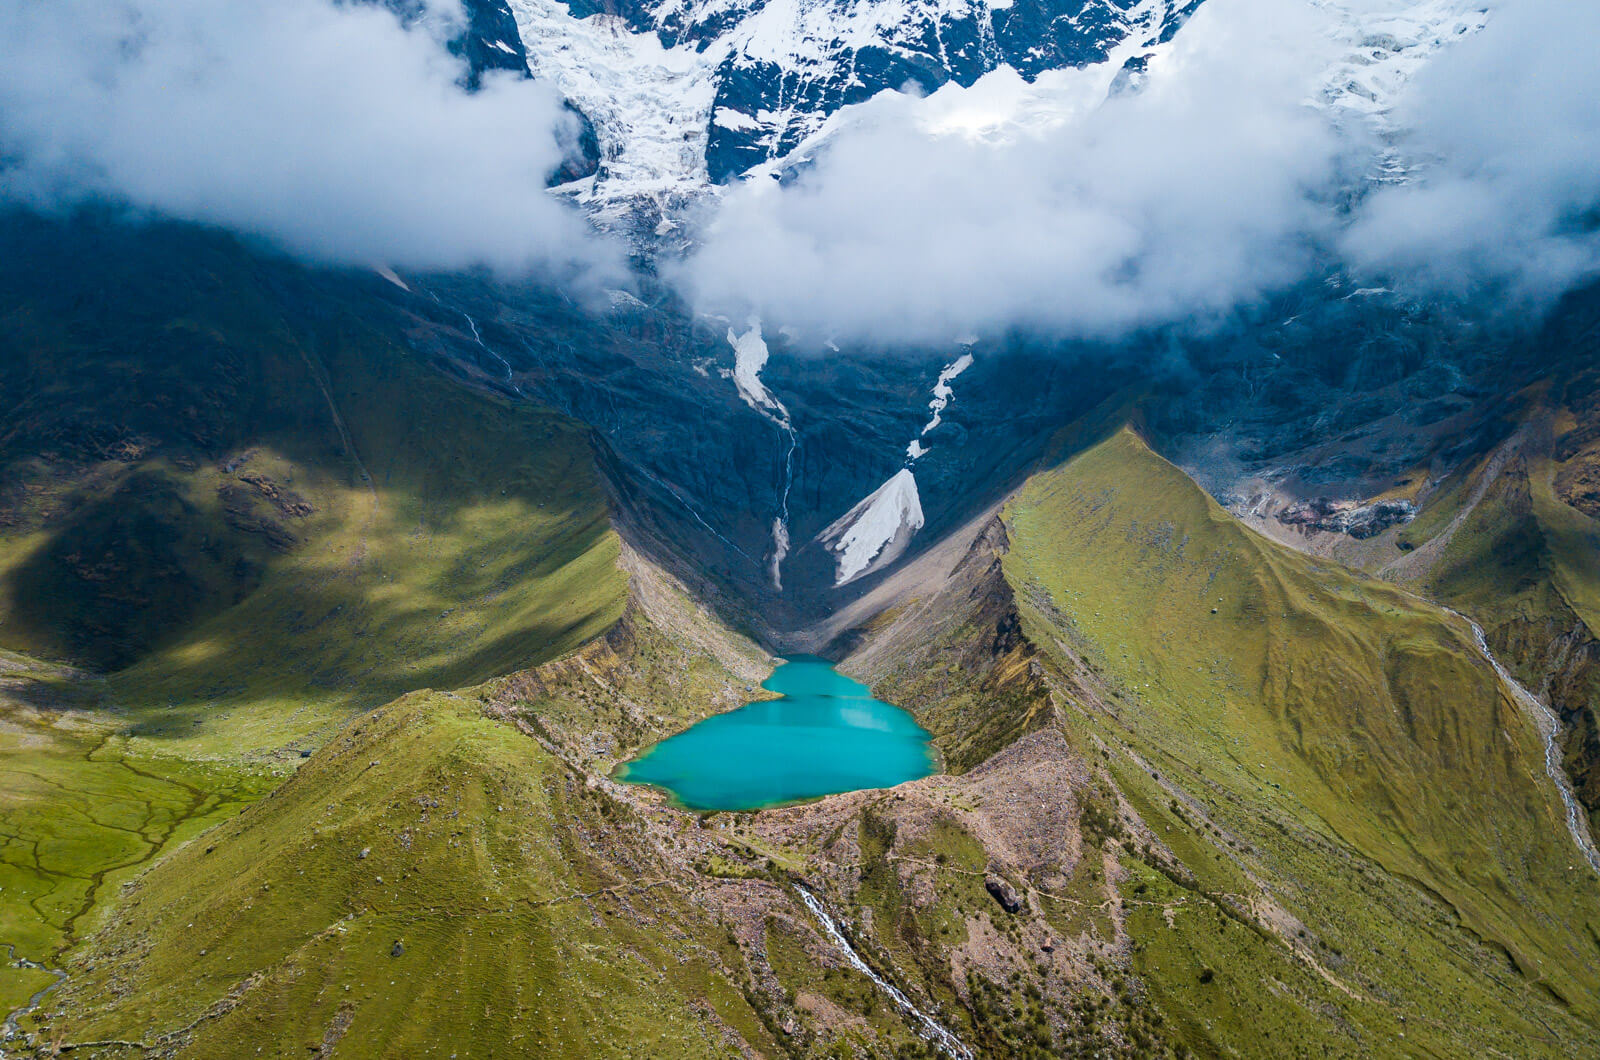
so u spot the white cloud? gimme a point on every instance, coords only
(1505, 128)
(331, 129)
(1231, 173)
(338, 132)
(1040, 206)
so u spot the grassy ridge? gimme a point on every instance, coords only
(429, 860)
(239, 487)
(1521, 562)
(1323, 740)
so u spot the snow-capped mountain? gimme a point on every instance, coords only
(685, 94)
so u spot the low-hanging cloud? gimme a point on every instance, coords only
(924, 219)
(1234, 171)
(1504, 129)
(333, 129)
(345, 136)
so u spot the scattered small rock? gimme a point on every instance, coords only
(397, 949)
(364, 852)
(1347, 517)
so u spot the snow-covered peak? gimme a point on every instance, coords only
(687, 94)
(684, 94)
(1385, 43)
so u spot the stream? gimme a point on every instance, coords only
(12, 1029)
(932, 1029)
(1549, 726)
(780, 525)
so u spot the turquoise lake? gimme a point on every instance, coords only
(826, 735)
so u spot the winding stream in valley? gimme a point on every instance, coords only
(12, 1028)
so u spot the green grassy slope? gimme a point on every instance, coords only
(431, 883)
(243, 489)
(1521, 562)
(81, 812)
(236, 490)
(1318, 745)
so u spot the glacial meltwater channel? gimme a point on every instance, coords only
(826, 734)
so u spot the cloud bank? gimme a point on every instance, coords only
(1042, 207)
(1242, 163)
(1504, 128)
(332, 129)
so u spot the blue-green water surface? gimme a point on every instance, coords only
(825, 735)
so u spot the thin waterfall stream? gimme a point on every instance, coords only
(1549, 726)
(932, 1029)
(780, 525)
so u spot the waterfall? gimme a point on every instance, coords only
(931, 1029)
(478, 338)
(1549, 726)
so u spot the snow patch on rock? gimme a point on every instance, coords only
(749, 357)
(943, 393)
(877, 529)
(389, 274)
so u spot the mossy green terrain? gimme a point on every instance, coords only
(236, 508)
(431, 883)
(1504, 543)
(83, 812)
(1323, 753)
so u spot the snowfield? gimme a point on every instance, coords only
(876, 531)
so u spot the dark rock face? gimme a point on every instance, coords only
(490, 41)
(580, 148)
(1004, 893)
(1346, 517)
(701, 476)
